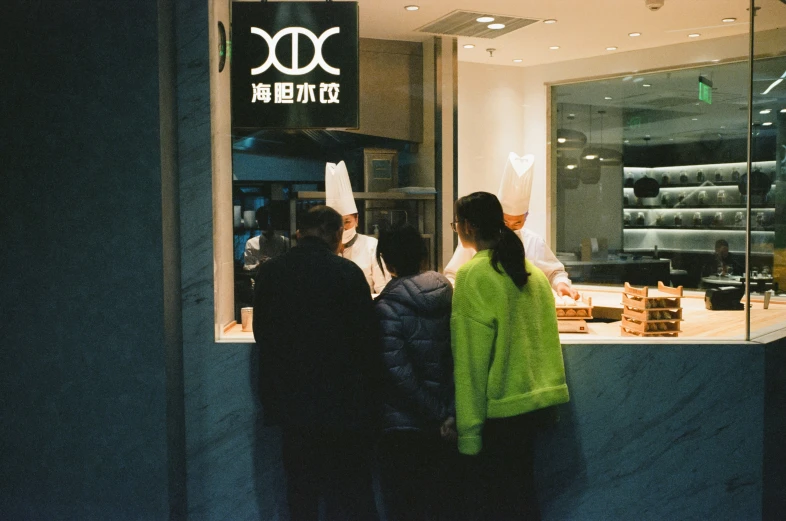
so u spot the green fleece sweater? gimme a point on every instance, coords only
(506, 349)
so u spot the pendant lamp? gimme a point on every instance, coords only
(606, 156)
(568, 139)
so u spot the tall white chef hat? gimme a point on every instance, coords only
(338, 190)
(516, 185)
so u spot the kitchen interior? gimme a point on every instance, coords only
(657, 160)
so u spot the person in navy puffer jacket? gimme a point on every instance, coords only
(417, 450)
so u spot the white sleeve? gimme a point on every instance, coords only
(250, 256)
(537, 251)
(460, 257)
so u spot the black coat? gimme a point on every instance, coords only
(414, 318)
(314, 323)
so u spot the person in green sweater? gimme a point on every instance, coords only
(508, 365)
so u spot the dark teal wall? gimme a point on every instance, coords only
(82, 425)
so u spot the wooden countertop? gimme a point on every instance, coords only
(699, 324)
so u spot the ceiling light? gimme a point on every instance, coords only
(518, 60)
(694, 35)
(554, 47)
(765, 111)
(412, 8)
(573, 115)
(561, 140)
(626, 141)
(469, 46)
(646, 85)
(485, 19)
(634, 34)
(783, 111)
(590, 156)
(611, 48)
(550, 21)
(694, 119)
(767, 123)
(728, 20)
(607, 97)
(496, 26)
(571, 167)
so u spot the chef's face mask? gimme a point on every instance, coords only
(348, 235)
(350, 227)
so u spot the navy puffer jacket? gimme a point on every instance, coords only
(414, 315)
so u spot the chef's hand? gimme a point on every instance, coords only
(563, 290)
(448, 430)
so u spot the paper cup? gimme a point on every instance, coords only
(247, 317)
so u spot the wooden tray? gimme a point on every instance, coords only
(651, 327)
(653, 315)
(642, 299)
(582, 309)
(626, 332)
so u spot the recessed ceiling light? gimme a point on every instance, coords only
(571, 167)
(765, 111)
(550, 21)
(729, 20)
(554, 47)
(469, 46)
(671, 139)
(694, 35)
(607, 97)
(646, 85)
(518, 60)
(590, 156)
(694, 119)
(611, 48)
(412, 8)
(496, 26)
(561, 140)
(634, 34)
(783, 111)
(485, 19)
(626, 141)
(723, 126)
(767, 123)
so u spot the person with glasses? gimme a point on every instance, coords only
(508, 366)
(514, 195)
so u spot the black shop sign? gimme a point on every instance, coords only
(295, 65)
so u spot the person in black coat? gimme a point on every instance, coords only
(320, 371)
(417, 448)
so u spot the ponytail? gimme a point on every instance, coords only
(484, 212)
(509, 252)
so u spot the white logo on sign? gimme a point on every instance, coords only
(295, 70)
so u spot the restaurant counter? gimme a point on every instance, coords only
(698, 324)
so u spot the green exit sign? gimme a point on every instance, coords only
(705, 90)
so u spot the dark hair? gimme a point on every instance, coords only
(262, 217)
(322, 222)
(483, 211)
(721, 242)
(402, 249)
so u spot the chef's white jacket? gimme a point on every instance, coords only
(363, 252)
(535, 249)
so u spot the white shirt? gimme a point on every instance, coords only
(260, 249)
(363, 252)
(535, 249)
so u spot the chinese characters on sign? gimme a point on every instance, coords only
(295, 65)
(285, 93)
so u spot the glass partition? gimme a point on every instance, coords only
(766, 271)
(651, 173)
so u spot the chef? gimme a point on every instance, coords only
(514, 194)
(264, 246)
(360, 249)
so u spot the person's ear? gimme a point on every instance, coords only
(298, 235)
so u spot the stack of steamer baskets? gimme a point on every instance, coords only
(573, 314)
(655, 313)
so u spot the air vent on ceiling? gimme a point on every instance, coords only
(464, 23)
